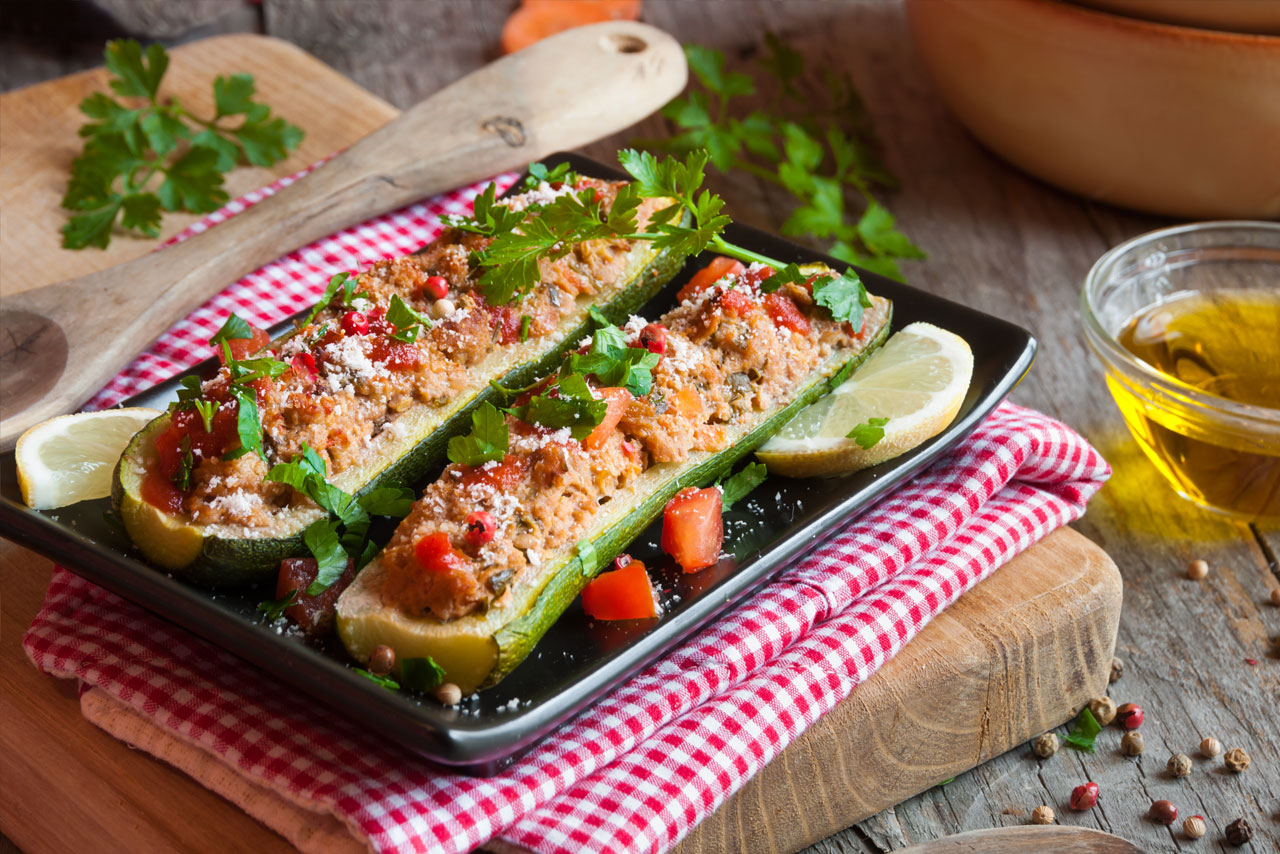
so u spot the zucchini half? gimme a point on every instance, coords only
(234, 556)
(478, 650)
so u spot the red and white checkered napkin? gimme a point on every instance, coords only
(641, 768)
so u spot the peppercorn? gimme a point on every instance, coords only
(1163, 812)
(1117, 670)
(442, 308)
(1129, 716)
(1179, 765)
(1239, 832)
(1210, 747)
(1275, 596)
(437, 287)
(1197, 570)
(449, 694)
(1085, 796)
(381, 660)
(1131, 744)
(1103, 709)
(480, 528)
(1194, 827)
(1042, 815)
(1045, 745)
(1236, 760)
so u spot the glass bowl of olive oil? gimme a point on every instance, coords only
(1186, 322)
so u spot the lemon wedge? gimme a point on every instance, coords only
(70, 458)
(911, 389)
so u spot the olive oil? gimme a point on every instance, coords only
(1225, 344)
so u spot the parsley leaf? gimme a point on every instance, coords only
(234, 327)
(385, 681)
(128, 145)
(611, 361)
(525, 322)
(275, 608)
(337, 283)
(869, 433)
(409, 324)
(420, 674)
(735, 487)
(844, 296)
(394, 501)
(248, 424)
(568, 403)
(1083, 732)
(489, 218)
(206, 408)
(322, 541)
(539, 174)
(488, 440)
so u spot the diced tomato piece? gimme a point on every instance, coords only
(242, 348)
(505, 322)
(755, 275)
(159, 491)
(436, 554)
(313, 614)
(719, 267)
(784, 312)
(735, 302)
(621, 594)
(396, 355)
(503, 477)
(693, 529)
(687, 403)
(619, 399)
(304, 368)
(186, 424)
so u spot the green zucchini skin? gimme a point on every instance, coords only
(236, 562)
(517, 638)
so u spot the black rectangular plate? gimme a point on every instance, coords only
(578, 661)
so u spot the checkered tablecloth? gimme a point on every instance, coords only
(641, 768)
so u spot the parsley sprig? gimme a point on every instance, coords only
(823, 153)
(693, 223)
(131, 143)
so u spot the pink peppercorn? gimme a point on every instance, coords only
(1129, 716)
(1084, 797)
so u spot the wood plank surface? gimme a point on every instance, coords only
(997, 240)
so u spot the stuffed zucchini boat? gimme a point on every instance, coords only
(375, 380)
(494, 552)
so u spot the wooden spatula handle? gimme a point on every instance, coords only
(60, 343)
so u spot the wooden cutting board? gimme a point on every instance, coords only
(1016, 655)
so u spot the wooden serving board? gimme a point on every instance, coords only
(1015, 656)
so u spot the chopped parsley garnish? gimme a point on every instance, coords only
(869, 433)
(325, 546)
(385, 681)
(611, 361)
(568, 403)
(587, 556)
(344, 282)
(248, 423)
(539, 173)
(206, 408)
(525, 321)
(345, 532)
(490, 217)
(187, 462)
(420, 674)
(488, 440)
(235, 327)
(1083, 732)
(735, 487)
(274, 608)
(409, 324)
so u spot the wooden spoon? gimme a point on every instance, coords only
(62, 342)
(1048, 839)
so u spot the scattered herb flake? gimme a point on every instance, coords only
(420, 674)
(736, 487)
(869, 433)
(1083, 732)
(275, 608)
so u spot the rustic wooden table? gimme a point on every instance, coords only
(997, 240)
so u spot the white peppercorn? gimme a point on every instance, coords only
(1197, 570)
(1194, 827)
(1042, 815)
(449, 694)
(1210, 747)
(1045, 745)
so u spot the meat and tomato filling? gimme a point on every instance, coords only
(726, 354)
(406, 332)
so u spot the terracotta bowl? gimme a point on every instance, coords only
(1166, 119)
(1238, 16)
